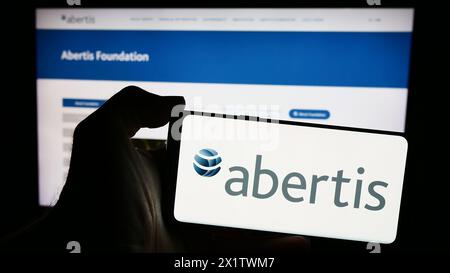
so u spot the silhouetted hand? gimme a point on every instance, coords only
(112, 199)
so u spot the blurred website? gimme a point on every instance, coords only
(345, 67)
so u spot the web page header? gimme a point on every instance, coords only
(238, 19)
(363, 59)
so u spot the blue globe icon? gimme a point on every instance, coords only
(206, 162)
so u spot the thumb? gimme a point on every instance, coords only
(133, 108)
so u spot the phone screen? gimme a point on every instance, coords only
(288, 177)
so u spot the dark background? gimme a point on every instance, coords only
(423, 216)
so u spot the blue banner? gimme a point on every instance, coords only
(362, 59)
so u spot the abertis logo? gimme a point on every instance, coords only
(206, 162)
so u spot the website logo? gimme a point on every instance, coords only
(73, 19)
(206, 162)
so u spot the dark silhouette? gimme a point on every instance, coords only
(112, 200)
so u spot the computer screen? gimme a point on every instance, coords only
(338, 66)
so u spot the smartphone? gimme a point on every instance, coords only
(287, 177)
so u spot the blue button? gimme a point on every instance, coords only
(309, 114)
(83, 103)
